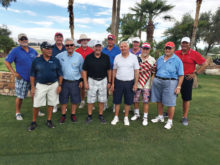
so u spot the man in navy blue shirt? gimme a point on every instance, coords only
(46, 73)
(22, 56)
(58, 47)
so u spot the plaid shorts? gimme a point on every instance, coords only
(97, 89)
(145, 95)
(21, 88)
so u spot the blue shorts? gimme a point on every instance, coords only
(21, 88)
(123, 88)
(163, 92)
(72, 90)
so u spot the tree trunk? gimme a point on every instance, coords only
(71, 17)
(209, 47)
(150, 31)
(117, 20)
(113, 17)
(198, 5)
(140, 20)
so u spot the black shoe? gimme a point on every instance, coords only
(50, 124)
(73, 118)
(102, 120)
(88, 120)
(32, 126)
(62, 120)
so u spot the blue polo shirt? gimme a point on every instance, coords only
(46, 71)
(71, 65)
(56, 51)
(172, 68)
(112, 53)
(23, 61)
(138, 53)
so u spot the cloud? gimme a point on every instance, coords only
(41, 23)
(20, 11)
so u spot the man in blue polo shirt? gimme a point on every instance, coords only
(46, 73)
(71, 63)
(167, 83)
(22, 56)
(112, 51)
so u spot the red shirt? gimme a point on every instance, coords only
(190, 59)
(85, 52)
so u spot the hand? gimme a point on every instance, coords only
(86, 86)
(134, 87)
(17, 76)
(108, 86)
(190, 76)
(32, 91)
(59, 89)
(81, 84)
(112, 88)
(177, 91)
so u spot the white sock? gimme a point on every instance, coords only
(136, 111)
(145, 115)
(170, 121)
(83, 101)
(126, 117)
(160, 116)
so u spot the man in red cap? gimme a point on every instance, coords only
(146, 72)
(84, 50)
(167, 84)
(189, 58)
(58, 47)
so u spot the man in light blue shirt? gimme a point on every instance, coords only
(71, 63)
(167, 83)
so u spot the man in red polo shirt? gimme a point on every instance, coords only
(84, 50)
(189, 58)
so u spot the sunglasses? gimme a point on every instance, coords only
(167, 48)
(145, 48)
(68, 45)
(23, 38)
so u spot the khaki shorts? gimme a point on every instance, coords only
(46, 94)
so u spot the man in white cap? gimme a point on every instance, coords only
(189, 58)
(136, 50)
(97, 68)
(23, 57)
(146, 72)
(84, 50)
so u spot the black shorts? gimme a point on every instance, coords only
(186, 89)
(70, 90)
(123, 88)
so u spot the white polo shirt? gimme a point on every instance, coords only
(125, 66)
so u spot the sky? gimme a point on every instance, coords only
(41, 19)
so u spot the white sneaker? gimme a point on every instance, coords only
(54, 109)
(145, 121)
(158, 119)
(135, 117)
(126, 121)
(41, 113)
(115, 120)
(19, 117)
(82, 104)
(168, 125)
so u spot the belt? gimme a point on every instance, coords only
(165, 78)
(98, 79)
(49, 83)
(70, 80)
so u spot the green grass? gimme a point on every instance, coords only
(97, 144)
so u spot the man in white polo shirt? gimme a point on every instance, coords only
(124, 81)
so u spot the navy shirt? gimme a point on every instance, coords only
(46, 71)
(23, 61)
(56, 51)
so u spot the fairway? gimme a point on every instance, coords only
(97, 144)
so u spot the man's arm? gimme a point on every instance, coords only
(180, 81)
(60, 81)
(10, 68)
(202, 67)
(109, 78)
(113, 79)
(32, 81)
(84, 76)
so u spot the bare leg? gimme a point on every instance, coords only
(160, 108)
(35, 114)
(136, 105)
(171, 112)
(63, 109)
(49, 111)
(82, 93)
(127, 108)
(146, 107)
(186, 105)
(18, 104)
(90, 106)
(117, 108)
(101, 107)
(74, 107)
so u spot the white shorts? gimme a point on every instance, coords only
(97, 89)
(45, 93)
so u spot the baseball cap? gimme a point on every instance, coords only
(46, 45)
(137, 39)
(185, 39)
(98, 43)
(145, 45)
(58, 34)
(170, 44)
(21, 35)
(111, 36)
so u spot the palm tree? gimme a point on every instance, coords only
(115, 18)
(150, 10)
(71, 17)
(198, 5)
(6, 3)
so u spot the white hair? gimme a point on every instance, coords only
(69, 39)
(124, 42)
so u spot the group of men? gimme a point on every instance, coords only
(62, 73)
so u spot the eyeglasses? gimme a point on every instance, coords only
(68, 45)
(23, 38)
(167, 48)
